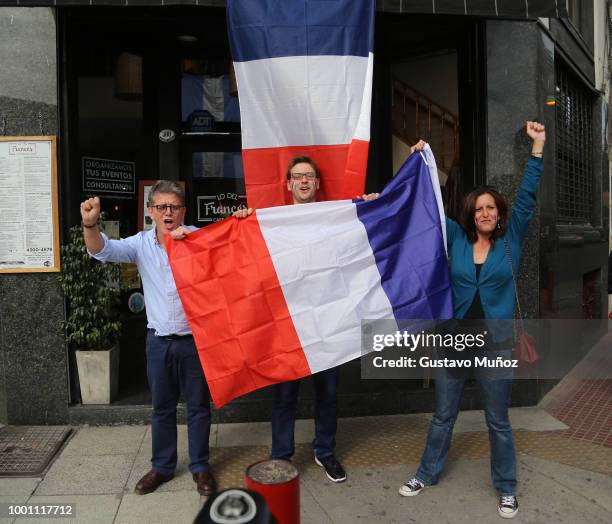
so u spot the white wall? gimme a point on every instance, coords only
(602, 11)
(601, 41)
(400, 153)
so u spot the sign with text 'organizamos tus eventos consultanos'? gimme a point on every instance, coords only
(105, 176)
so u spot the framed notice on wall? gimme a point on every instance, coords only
(29, 223)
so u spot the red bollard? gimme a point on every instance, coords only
(278, 482)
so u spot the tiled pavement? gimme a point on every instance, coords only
(583, 399)
(99, 466)
(564, 466)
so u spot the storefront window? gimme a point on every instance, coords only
(208, 85)
(108, 145)
(210, 146)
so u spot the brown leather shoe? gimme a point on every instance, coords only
(205, 482)
(150, 482)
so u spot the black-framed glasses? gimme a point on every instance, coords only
(161, 208)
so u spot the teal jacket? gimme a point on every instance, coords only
(495, 286)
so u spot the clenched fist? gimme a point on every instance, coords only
(536, 131)
(90, 211)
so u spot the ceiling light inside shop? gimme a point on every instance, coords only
(128, 77)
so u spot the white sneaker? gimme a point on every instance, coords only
(412, 488)
(507, 507)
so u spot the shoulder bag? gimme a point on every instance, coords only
(525, 347)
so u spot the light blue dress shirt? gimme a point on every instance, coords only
(165, 312)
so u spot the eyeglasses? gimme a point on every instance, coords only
(311, 175)
(161, 208)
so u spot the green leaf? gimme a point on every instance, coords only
(91, 320)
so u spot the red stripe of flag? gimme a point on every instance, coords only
(343, 170)
(228, 327)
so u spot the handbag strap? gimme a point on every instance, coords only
(518, 302)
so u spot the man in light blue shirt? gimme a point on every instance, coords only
(173, 365)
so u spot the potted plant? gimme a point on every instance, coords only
(92, 328)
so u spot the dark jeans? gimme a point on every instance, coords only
(173, 367)
(326, 415)
(495, 389)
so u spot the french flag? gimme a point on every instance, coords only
(282, 294)
(304, 75)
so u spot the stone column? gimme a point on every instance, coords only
(520, 78)
(33, 371)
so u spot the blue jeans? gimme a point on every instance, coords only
(326, 415)
(173, 367)
(495, 389)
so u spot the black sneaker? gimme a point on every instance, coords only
(333, 469)
(412, 488)
(507, 507)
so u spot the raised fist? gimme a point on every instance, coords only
(90, 211)
(536, 131)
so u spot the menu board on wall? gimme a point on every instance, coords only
(217, 198)
(29, 226)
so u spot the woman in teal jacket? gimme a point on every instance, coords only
(483, 288)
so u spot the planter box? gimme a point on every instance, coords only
(98, 375)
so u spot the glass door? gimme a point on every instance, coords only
(210, 146)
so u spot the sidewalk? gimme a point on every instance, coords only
(561, 480)
(564, 465)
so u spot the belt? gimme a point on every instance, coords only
(172, 337)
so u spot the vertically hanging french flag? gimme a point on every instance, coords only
(282, 294)
(304, 75)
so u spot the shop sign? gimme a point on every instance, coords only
(215, 198)
(102, 175)
(212, 208)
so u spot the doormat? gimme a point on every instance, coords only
(25, 451)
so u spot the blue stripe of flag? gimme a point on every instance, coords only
(274, 28)
(404, 230)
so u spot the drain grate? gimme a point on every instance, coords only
(25, 451)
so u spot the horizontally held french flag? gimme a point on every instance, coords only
(304, 75)
(282, 294)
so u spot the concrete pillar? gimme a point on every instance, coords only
(33, 372)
